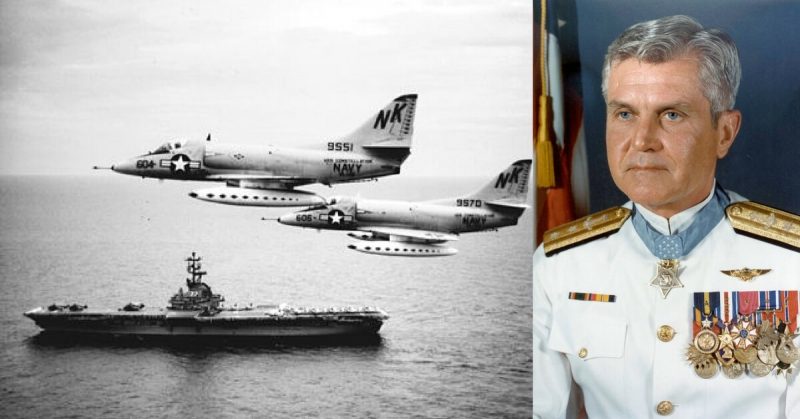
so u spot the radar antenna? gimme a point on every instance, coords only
(193, 267)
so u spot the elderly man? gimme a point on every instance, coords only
(683, 301)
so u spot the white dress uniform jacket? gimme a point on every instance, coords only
(612, 351)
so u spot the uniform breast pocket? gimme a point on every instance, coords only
(588, 330)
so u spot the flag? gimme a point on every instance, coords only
(558, 123)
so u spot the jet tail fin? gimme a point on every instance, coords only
(388, 133)
(509, 188)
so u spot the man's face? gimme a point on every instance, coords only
(662, 143)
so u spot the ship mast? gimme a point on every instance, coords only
(193, 267)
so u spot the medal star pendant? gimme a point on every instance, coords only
(666, 276)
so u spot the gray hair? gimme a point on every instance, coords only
(661, 40)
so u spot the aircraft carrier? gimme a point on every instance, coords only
(198, 312)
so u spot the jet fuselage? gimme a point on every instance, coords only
(266, 175)
(216, 162)
(401, 228)
(431, 216)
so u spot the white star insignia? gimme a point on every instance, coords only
(180, 164)
(336, 218)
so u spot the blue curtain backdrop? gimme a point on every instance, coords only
(764, 163)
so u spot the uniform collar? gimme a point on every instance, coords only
(679, 221)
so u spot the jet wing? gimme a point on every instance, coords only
(508, 203)
(264, 181)
(398, 234)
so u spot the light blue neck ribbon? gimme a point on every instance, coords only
(678, 245)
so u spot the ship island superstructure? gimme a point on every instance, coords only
(199, 312)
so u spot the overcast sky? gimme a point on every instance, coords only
(94, 82)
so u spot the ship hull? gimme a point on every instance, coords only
(226, 324)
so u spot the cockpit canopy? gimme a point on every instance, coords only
(344, 203)
(341, 200)
(166, 147)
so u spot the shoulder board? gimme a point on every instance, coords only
(764, 223)
(586, 229)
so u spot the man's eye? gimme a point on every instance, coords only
(672, 116)
(624, 115)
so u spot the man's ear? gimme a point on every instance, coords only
(727, 128)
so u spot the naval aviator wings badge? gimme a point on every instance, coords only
(745, 274)
(666, 276)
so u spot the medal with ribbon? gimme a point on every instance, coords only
(789, 313)
(725, 352)
(705, 342)
(768, 305)
(726, 314)
(670, 248)
(706, 307)
(786, 351)
(744, 331)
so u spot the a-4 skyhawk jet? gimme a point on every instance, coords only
(401, 228)
(267, 175)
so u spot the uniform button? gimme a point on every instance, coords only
(666, 333)
(583, 352)
(665, 408)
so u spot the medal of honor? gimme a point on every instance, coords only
(666, 276)
(669, 248)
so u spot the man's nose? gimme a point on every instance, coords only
(646, 135)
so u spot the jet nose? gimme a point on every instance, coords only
(127, 167)
(288, 219)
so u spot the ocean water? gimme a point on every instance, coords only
(457, 344)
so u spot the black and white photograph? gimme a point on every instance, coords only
(666, 275)
(266, 208)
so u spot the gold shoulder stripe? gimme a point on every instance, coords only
(584, 229)
(765, 223)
